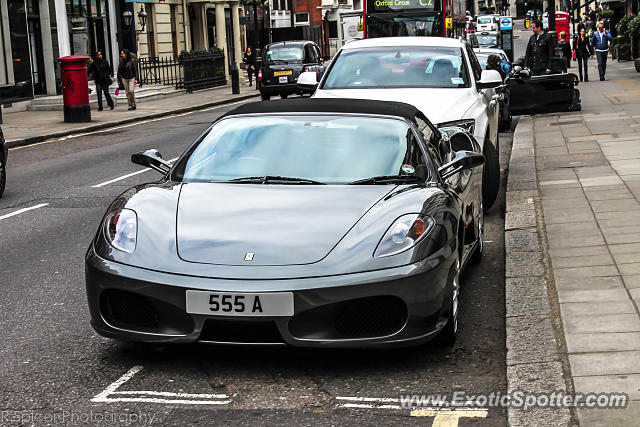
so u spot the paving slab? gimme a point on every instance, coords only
(586, 284)
(599, 307)
(592, 271)
(609, 417)
(632, 281)
(627, 383)
(595, 323)
(582, 261)
(608, 341)
(593, 295)
(608, 363)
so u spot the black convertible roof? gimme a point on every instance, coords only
(330, 105)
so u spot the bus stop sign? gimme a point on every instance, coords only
(506, 36)
(506, 23)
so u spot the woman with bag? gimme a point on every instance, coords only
(583, 51)
(128, 76)
(249, 64)
(101, 71)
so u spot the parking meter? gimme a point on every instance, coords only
(506, 35)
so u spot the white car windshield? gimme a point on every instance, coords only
(395, 67)
(327, 149)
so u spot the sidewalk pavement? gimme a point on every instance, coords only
(32, 126)
(572, 234)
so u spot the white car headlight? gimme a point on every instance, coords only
(403, 234)
(467, 124)
(121, 229)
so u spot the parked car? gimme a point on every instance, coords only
(488, 39)
(4, 152)
(282, 63)
(486, 23)
(344, 224)
(505, 92)
(439, 76)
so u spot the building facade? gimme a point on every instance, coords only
(35, 33)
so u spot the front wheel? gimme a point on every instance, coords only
(3, 177)
(490, 175)
(449, 333)
(476, 257)
(284, 95)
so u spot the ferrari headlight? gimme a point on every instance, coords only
(403, 234)
(121, 229)
(468, 124)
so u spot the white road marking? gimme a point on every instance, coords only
(111, 394)
(19, 211)
(120, 178)
(367, 399)
(365, 406)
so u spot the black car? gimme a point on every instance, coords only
(4, 150)
(308, 222)
(282, 63)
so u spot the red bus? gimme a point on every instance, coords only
(392, 18)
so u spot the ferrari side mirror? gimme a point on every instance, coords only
(151, 159)
(463, 160)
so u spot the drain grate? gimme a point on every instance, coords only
(568, 122)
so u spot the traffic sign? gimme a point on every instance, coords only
(506, 23)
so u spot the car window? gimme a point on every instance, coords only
(485, 20)
(475, 65)
(487, 39)
(282, 53)
(402, 66)
(331, 149)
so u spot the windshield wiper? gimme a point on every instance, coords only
(271, 178)
(386, 179)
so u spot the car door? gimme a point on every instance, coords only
(543, 94)
(489, 96)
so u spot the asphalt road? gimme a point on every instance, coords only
(52, 364)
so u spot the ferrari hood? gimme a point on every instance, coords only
(439, 105)
(252, 224)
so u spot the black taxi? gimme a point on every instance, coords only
(282, 63)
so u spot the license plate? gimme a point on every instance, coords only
(283, 79)
(240, 304)
(283, 73)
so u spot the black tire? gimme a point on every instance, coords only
(449, 333)
(3, 177)
(504, 125)
(264, 97)
(284, 95)
(476, 256)
(490, 175)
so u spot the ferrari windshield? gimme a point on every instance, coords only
(398, 66)
(304, 149)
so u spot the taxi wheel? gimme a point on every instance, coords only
(490, 175)
(264, 97)
(284, 95)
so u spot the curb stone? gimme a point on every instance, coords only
(534, 362)
(19, 142)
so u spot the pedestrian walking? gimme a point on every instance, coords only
(600, 43)
(565, 48)
(250, 64)
(583, 52)
(100, 70)
(128, 76)
(539, 51)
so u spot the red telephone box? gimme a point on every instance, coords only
(75, 88)
(562, 24)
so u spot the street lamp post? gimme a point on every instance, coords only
(127, 18)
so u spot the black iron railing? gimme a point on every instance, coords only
(189, 72)
(161, 71)
(203, 71)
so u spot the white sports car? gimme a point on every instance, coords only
(440, 76)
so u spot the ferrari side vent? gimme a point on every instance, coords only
(461, 142)
(373, 316)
